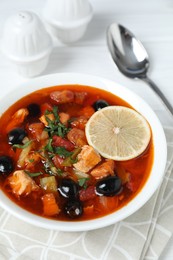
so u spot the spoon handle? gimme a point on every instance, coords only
(159, 93)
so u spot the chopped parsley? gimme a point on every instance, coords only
(33, 174)
(22, 146)
(55, 127)
(83, 182)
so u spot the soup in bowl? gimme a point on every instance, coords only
(78, 152)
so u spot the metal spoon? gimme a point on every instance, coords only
(131, 57)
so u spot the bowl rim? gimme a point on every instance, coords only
(159, 139)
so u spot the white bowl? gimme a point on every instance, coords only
(67, 20)
(160, 151)
(26, 43)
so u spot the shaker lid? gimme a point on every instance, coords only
(67, 12)
(25, 37)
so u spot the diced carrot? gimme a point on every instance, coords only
(21, 183)
(103, 170)
(77, 137)
(17, 119)
(50, 206)
(87, 159)
(87, 111)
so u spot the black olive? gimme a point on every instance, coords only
(6, 165)
(99, 104)
(34, 110)
(73, 208)
(68, 188)
(109, 186)
(16, 136)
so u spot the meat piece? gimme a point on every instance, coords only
(17, 118)
(87, 159)
(79, 122)
(59, 141)
(61, 97)
(87, 111)
(103, 170)
(31, 160)
(21, 183)
(80, 97)
(77, 137)
(57, 160)
(37, 131)
(87, 194)
(64, 117)
(46, 107)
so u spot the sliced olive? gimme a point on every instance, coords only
(6, 165)
(34, 110)
(109, 186)
(73, 208)
(68, 188)
(16, 136)
(99, 104)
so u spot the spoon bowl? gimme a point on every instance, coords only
(131, 57)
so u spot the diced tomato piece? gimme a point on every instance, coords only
(80, 97)
(57, 160)
(46, 107)
(77, 137)
(50, 206)
(87, 111)
(59, 141)
(79, 122)
(87, 194)
(61, 97)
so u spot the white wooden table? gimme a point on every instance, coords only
(150, 20)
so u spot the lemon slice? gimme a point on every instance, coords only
(118, 133)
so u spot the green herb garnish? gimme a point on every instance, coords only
(62, 151)
(83, 182)
(55, 127)
(22, 146)
(33, 174)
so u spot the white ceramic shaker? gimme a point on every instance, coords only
(67, 19)
(26, 43)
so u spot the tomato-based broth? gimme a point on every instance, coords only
(47, 165)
